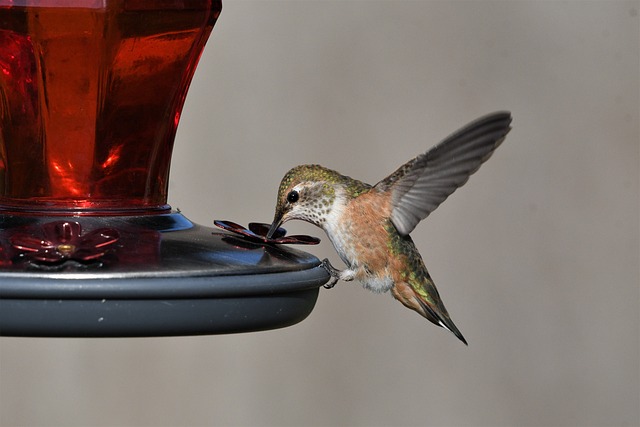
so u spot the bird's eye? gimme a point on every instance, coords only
(293, 196)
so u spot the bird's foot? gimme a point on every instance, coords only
(333, 272)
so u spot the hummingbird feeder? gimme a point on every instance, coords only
(91, 93)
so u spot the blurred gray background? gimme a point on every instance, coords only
(536, 257)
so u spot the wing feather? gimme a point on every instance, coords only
(419, 186)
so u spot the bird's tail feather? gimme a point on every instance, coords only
(440, 318)
(433, 310)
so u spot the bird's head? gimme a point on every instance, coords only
(307, 193)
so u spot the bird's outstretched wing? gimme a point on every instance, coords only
(419, 186)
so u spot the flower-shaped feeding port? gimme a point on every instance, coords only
(257, 233)
(56, 242)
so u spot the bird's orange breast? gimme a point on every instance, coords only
(365, 220)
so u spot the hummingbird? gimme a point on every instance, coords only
(369, 225)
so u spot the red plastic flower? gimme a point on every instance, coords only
(257, 233)
(63, 240)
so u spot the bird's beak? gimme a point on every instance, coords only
(273, 229)
(277, 221)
